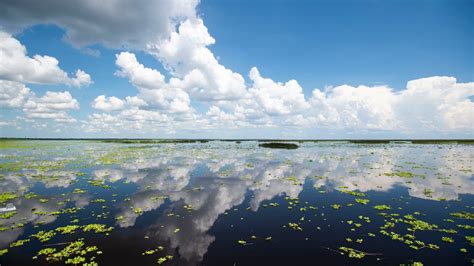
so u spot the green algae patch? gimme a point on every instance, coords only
(44, 236)
(362, 201)
(401, 174)
(7, 215)
(19, 243)
(470, 239)
(68, 229)
(352, 253)
(382, 207)
(71, 254)
(7, 196)
(463, 215)
(97, 228)
(447, 239)
(164, 259)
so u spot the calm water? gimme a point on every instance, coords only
(228, 203)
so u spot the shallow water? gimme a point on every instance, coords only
(228, 203)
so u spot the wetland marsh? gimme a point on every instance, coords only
(236, 203)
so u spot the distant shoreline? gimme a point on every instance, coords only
(182, 140)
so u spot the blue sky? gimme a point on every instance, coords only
(373, 47)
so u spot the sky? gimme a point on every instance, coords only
(237, 69)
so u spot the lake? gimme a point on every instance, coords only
(235, 203)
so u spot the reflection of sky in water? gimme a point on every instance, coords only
(216, 177)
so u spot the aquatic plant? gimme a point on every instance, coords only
(463, 215)
(3, 251)
(44, 236)
(362, 201)
(7, 196)
(447, 239)
(73, 253)
(7, 215)
(97, 228)
(352, 253)
(19, 243)
(68, 229)
(164, 259)
(382, 207)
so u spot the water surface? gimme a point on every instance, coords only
(230, 203)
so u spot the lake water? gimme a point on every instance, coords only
(235, 203)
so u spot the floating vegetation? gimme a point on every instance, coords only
(447, 239)
(19, 243)
(69, 229)
(7, 196)
(30, 195)
(44, 236)
(352, 253)
(164, 259)
(7, 215)
(470, 239)
(295, 226)
(362, 201)
(3, 251)
(463, 215)
(78, 191)
(401, 174)
(73, 253)
(97, 228)
(382, 207)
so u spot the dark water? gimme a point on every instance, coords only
(321, 204)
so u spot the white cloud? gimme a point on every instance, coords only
(81, 79)
(153, 89)
(436, 103)
(16, 65)
(194, 67)
(277, 98)
(354, 107)
(115, 24)
(12, 94)
(52, 105)
(108, 103)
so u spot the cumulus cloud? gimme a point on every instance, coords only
(152, 85)
(194, 67)
(277, 98)
(115, 24)
(16, 65)
(354, 107)
(435, 103)
(52, 105)
(108, 103)
(12, 94)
